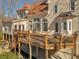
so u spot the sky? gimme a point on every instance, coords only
(15, 6)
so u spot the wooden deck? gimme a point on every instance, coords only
(44, 41)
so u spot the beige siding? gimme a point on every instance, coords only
(63, 6)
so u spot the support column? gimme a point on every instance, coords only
(51, 52)
(46, 50)
(14, 41)
(74, 39)
(30, 48)
(3, 37)
(46, 53)
(19, 48)
(12, 37)
(6, 37)
(61, 42)
(72, 55)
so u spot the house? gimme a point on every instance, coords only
(61, 17)
(51, 16)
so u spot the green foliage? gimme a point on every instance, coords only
(0, 38)
(8, 55)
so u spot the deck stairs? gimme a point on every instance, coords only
(64, 54)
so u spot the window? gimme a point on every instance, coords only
(30, 26)
(69, 25)
(15, 27)
(56, 8)
(72, 2)
(44, 25)
(36, 24)
(56, 27)
(65, 25)
(19, 27)
(23, 27)
(5, 28)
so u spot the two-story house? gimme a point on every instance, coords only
(53, 16)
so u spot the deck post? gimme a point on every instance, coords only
(19, 45)
(61, 42)
(19, 48)
(30, 48)
(14, 42)
(46, 50)
(6, 37)
(3, 37)
(72, 55)
(74, 41)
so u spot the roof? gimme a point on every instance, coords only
(37, 7)
(68, 14)
(39, 15)
(26, 6)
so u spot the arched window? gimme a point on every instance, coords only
(15, 27)
(44, 25)
(36, 24)
(19, 27)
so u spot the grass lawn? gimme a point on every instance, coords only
(8, 55)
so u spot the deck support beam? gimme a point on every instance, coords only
(14, 40)
(46, 53)
(19, 48)
(30, 52)
(46, 50)
(74, 41)
(30, 48)
(6, 36)
(9, 39)
(3, 37)
(61, 39)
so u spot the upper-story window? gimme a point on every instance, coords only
(19, 27)
(36, 24)
(72, 4)
(56, 8)
(15, 27)
(65, 25)
(23, 27)
(44, 25)
(69, 25)
(56, 27)
(21, 15)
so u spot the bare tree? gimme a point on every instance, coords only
(11, 6)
